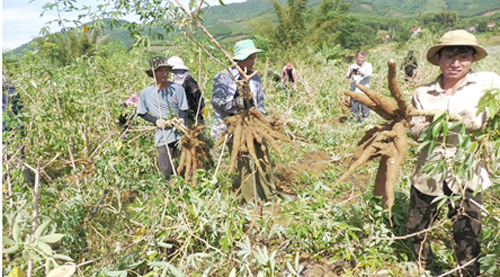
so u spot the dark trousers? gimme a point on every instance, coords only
(266, 188)
(467, 221)
(356, 106)
(164, 163)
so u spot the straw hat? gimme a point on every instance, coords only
(177, 63)
(243, 49)
(156, 63)
(456, 38)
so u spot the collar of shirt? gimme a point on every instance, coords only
(471, 77)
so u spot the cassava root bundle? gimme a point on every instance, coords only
(247, 127)
(387, 141)
(193, 149)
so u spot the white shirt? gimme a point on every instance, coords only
(366, 70)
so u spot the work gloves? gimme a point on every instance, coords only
(162, 123)
(242, 104)
(471, 122)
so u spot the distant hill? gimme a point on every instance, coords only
(227, 21)
(237, 12)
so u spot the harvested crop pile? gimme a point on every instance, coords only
(249, 129)
(193, 150)
(387, 141)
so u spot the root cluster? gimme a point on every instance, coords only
(387, 141)
(250, 129)
(193, 150)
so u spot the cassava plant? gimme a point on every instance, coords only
(246, 126)
(387, 141)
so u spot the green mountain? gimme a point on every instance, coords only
(228, 21)
(237, 12)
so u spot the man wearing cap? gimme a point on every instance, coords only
(457, 89)
(227, 101)
(181, 76)
(359, 72)
(288, 74)
(158, 103)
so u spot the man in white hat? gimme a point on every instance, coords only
(458, 89)
(227, 101)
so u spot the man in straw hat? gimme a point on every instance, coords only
(458, 89)
(227, 101)
(158, 104)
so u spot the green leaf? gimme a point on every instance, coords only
(62, 257)
(6, 240)
(32, 255)
(423, 145)
(16, 272)
(175, 271)
(16, 231)
(45, 247)
(435, 129)
(51, 238)
(41, 229)
(166, 245)
(63, 271)
(116, 273)
(11, 249)
(159, 264)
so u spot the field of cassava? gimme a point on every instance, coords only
(102, 206)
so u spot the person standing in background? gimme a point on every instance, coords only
(359, 72)
(181, 76)
(289, 75)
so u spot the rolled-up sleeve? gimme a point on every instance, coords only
(220, 99)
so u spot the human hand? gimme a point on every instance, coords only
(162, 123)
(468, 117)
(242, 103)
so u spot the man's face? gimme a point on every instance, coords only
(455, 66)
(162, 74)
(360, 58)
(248, 63)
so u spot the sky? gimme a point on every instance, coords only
(21, 21)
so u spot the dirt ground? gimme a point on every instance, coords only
(312, 163)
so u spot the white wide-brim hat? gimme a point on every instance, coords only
(177, 63)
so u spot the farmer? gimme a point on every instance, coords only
(181, 76)
(359, 72)
(158, 104)
(289, 75)
(458, 90)
(227, 101)
(409, 66)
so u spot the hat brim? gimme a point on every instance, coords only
(150, 71)
(180, 67)
(244, 56)
(431, 54)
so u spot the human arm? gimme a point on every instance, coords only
(418, 123)
(366, 70)
(223, 93)
(149, 118)
(258, 94)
